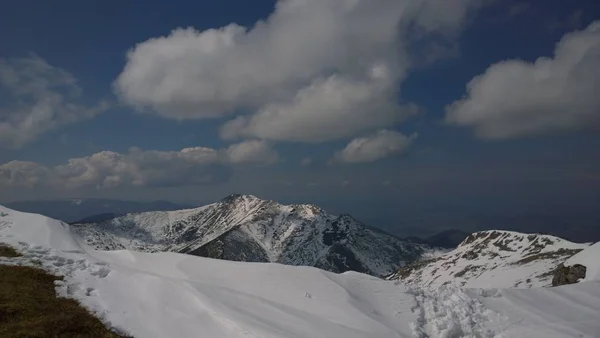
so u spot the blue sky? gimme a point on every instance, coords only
(479, 153)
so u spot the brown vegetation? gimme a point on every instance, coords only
(30, 308)
(6, 251)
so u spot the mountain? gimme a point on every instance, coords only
(73, 210)
(155, 295)
(246, 228)
(573, 225)
(494, 259)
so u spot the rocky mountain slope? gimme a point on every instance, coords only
(246, 228)
(494, 259)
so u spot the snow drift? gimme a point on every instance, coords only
(177, 295)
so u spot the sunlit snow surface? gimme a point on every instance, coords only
(496, 259)
(175, 295)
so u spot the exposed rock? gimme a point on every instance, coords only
(548, 255)
(523, 261)
(565, 275)
(246, 228)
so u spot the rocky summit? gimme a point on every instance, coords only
(246, 228)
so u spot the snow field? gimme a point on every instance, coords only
(176, 295)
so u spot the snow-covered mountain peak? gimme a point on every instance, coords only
(242, 199)
(247, 228)
(501, 259)
(250, 202)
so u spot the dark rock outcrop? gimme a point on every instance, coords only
(565, 275)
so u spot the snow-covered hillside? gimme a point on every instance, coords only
(589, 258)
(494, 259)
(246, 228)
(160, 295)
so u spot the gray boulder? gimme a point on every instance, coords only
(568, 274)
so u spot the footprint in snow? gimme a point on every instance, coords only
(101, 273)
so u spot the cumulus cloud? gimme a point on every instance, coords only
(22, 174)
(380, 145)
(107, 169)
(312, 71)
(329, 109)
(254, 151)
(516, 98)
(36, 98)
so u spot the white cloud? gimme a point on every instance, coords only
(38, 98)
(107, 169)
(256, 152)
(516, 98)
(314, 70)
(22, 174)
(380, 145)
(328, 109)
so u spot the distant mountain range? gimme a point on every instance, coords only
(246, 228)
(73, 210)
(440, 228)
(573, 226)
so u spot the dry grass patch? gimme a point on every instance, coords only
(7, 251)
(30, 308)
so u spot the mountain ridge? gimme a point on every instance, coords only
(247, 228)
(494, 259)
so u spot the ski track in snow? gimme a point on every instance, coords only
(444, 313)
(450, 312)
